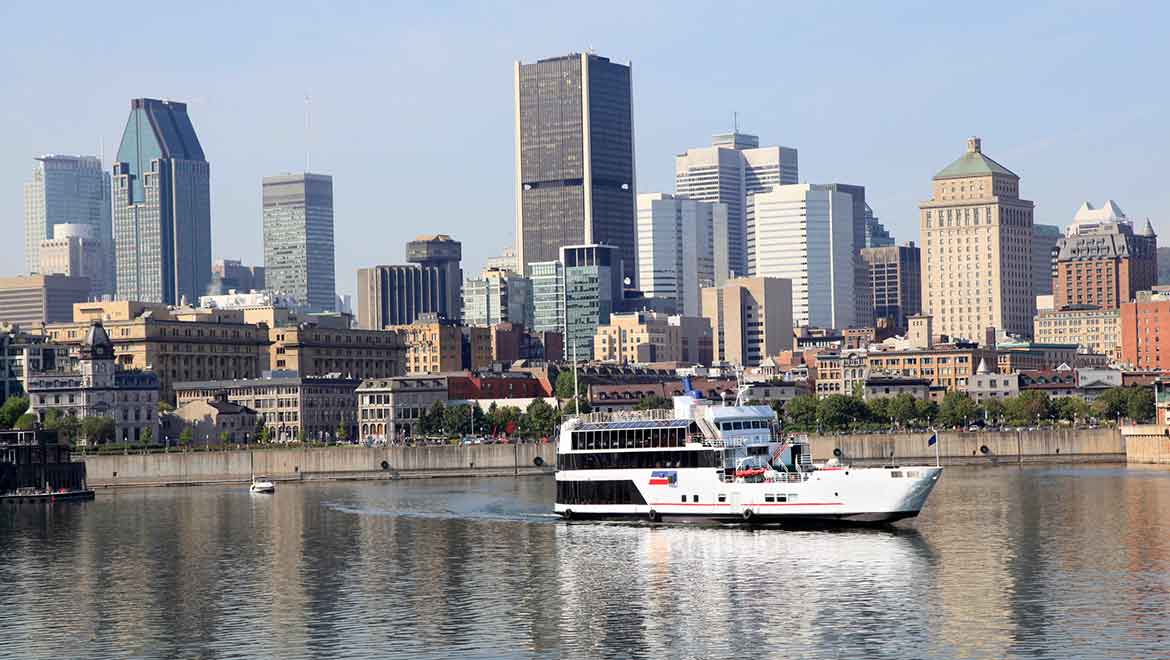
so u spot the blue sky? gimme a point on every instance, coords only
(412, 102)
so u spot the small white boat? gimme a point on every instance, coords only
(262, 485)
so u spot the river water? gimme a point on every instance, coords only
(1036, 562)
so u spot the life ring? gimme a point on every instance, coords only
(654, 516)
(538, 461)
(568, 514)
(837, 452)
(385, 465)
(747, 515)
(983, 449)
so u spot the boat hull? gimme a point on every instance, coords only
(49, 497)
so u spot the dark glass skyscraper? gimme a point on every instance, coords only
(298, 238)
(574, 158)
(162, 206)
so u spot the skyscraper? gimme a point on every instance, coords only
(751, 319)
(162, 206)
(733, 167)
(298, 239)
(1044, 240)
(66, 189)
(398, 295)
(574, 157)
(977, 249)
(895, 282)
(676, 248)
(804, 233)
(497, 296)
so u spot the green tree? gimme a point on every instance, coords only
(539, 420)
(926, 411)
(801, 412)
(1070, 408)
(564, 386)
(224, 437)
(147, 435)
(342, 433)
(1140, 407)
(879, 409)
(499, 420)
(14, 407)
(302, 436)
(431, 422)
(1112, 403)
(25, 422)
(97, 430)
(68, 428)
(1029, 407)
(957, 409)
(903, 409)
(263, 435)
(165, 407)
(186, 436)
(654, 402)
(838, 411)
(993, 410)
(457, 419)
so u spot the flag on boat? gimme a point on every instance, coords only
(664, 478)
(932, 439)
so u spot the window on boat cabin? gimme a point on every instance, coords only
(781, 498)
(722, 497)
(769, 497)
(911, 475)
(684, 498)
(694, 498)
(791, 497)
(896, 474)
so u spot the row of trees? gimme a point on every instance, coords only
(539, 419)
(1030, 408)
(14, 415)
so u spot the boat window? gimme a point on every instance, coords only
(781, 498)
(722, 497)
(912, 475)
(684, 498)
(791, 497)
(769, 497)
(738, 426)
(896, 474)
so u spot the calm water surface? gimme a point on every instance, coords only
(1040, 562)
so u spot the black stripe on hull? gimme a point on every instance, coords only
(784, 520)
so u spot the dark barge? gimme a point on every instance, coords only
(35, 467)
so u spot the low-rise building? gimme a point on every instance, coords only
(1142, 323)
(293, 407)
(511, 342)
(100, 388)
(176, 344)
(23, 354)
(878, 387)
(389, 409)
(987, 384)
(840, 373)
(947, 366)
(316, 349)
(1093, 381)
(1092, 328)
(1053, 382)
(217, 420)
(491, 385)
(637, 338)
(1026, 355)
(433, 345)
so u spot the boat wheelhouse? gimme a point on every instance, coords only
(702, 461)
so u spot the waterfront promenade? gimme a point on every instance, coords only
(355, 463)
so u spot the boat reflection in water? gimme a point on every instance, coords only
(717, 591)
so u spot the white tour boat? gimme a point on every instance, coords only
(262, 485)
(709, 462)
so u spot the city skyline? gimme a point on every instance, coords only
(888, 149)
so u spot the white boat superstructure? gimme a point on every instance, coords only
(703, 461)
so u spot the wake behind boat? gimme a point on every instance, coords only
(702, 461)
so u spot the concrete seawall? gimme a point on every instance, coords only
(1147, 443)
(333, 463)
(189, 468)
(959, 448)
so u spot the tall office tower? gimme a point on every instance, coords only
(895, 273)
(574, 158)
(876, 234)
(548, 296)
(298, 239)
(804, 233)
(66, 189)
(1044, 239)
(1102, 261)
(397, 295)
(862, 219)
(676, 248)
(444, 254)
(977, 249)
(751, 319)
(592, 287)
(505, 261)
(228, 274)
(733, 167)
(162, 206)
(75, 251)
(497, 296)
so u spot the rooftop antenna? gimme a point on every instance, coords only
(735, 120)
(308, 126)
